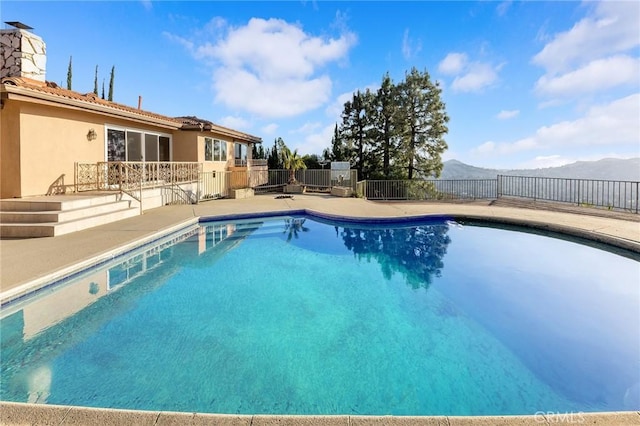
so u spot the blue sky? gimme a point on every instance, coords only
(526, 84)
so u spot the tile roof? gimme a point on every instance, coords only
(196, 123)
(51, 88)
(184, 123)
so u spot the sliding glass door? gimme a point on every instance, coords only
(135, 145)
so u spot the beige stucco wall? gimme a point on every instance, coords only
(9, 151)
(42, 141)
(51, 141)
(185, 146)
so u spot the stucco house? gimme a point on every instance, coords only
(46, 130)
(59, 142)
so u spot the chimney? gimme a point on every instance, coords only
(22, 53)
(139, 102)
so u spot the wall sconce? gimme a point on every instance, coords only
(91, 135)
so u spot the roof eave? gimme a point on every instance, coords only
(88, 106)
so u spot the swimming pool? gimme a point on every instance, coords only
(299, 315)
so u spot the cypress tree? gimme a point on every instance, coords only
(95, 82)
(69, 74)
(113, 71)
(103, 88)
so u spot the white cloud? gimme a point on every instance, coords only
(612, 28)
(597, 54)
(315, 143)
(487, 147)
(234, 122)
(307, 128)
(477, 77)
(269, 67)
(147, 4)
(469, 76)
(453, 63)
(545, 161)
(187, 44)
(507, 114)
(597, 76)
(240, 89)
(557, 160)
(615, 123)
(334, 109)
(410, 48)
(270, 129)
(503, 7)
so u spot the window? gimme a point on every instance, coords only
(115, 145)
(215, 150)
(240, 154)
(136, 145)
(208, 149)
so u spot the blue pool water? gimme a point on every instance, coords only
(298, 315)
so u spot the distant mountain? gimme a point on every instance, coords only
(605, 169)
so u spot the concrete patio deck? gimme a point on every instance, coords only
(26, 263)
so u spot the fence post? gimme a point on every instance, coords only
(579, 183)
(498, 186)
(637, 193)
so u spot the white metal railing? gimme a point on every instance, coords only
(109, 175)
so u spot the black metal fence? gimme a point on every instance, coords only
(609, 194)
(431, 189)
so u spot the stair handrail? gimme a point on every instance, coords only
(127, 171)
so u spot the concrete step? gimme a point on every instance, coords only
(52, 229)
(56, 202)
(66, 215)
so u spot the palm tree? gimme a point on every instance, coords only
(292, 161)
(293, 227)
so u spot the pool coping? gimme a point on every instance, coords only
(16, 413)
(25, 413)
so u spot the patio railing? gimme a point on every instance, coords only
(609, 194)
(218, 184)
(133, 177)
(110, 175)
(430, 189)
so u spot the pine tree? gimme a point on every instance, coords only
(113, 71)
(95, 82)
(354, 131)
(257, 152)
(385, 123)
(273, 160)
(396, 132)
(424, 125)
(69, 73)
(338, 149)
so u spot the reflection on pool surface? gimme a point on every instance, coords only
(302, 316)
